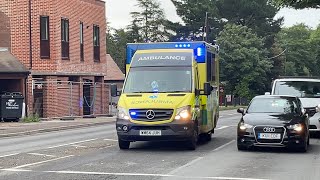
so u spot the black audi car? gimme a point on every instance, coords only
(274, 121)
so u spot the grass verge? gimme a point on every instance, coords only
(31, 119)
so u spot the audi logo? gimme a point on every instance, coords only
(269, 129)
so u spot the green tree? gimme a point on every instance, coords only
(299, 50)
(255, 14)
(298, 4)
(116, 46)
(315, 45)
(243, 61)
(149, 24)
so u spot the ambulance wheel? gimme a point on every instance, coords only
(192, 143)
(123, 144)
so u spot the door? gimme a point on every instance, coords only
(86, 100)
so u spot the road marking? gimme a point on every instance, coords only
(131, 174)
(41, 162)
(38, 154)
(71, 143)
(198, 159)
(223, 146)
(9, 155)
(222, 127)
(78, 146)
(186, 165)
(111, 140)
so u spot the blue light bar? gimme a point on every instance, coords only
(198, 47)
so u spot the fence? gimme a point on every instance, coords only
(68, 99)
(230, 100)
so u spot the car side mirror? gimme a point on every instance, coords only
(114, 90)
(240, 110)
(318, 108)
(207, 89)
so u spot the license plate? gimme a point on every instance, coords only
(269, 136)
(150, 133)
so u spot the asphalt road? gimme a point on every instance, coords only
(92, 153)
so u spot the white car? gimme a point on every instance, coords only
(308, 90)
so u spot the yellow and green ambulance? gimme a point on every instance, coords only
(170, 93)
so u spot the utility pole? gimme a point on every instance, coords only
(205, 30)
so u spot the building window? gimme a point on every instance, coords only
(65, 38)
(96, 42)
(81, 42)
(44, 37)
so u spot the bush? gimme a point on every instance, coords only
(32, 118)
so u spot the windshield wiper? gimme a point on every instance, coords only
(142, 92)
(175, 92)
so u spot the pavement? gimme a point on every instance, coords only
(93, 153)
(9, 129)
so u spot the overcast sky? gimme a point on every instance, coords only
(117, 12)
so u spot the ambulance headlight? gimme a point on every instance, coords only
(122, 113)
(183, 113)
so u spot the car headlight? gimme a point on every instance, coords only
(244, 126)
(296, 127)
(122, 113)
(183, 113)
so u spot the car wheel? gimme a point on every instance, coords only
(123, 144)
(309, 140)
(303, 148)
(241, 147)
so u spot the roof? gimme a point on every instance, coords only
(275, 96)
(9, 63)
(113, 70)
(299, 79)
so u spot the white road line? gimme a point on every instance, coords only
(197, 159)
(38, 154)
(223, 146)
(78, 146)
(41, 162)
(186, 165)
(111, 140)
(71, 143)
(9, 155)
(222, 127)
(132, 174)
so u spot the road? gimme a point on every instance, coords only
(92, 153)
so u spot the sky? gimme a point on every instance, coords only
(118, 14)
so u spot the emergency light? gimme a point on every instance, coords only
(198, 47)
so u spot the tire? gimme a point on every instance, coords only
(123, 144)
(308, 140)
(241, 147)
(303, 148)
(192, 143)
(207, 136)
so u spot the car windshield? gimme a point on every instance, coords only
(273, 105)
(158, 79)
(303, 89)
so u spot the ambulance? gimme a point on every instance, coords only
(170, 93)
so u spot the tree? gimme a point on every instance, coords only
(243, 61)
(255, 14)
(298, 4)
(148, 25)
(116, 46)
(299, 50)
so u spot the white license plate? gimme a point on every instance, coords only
(269, 136)
(150, 132)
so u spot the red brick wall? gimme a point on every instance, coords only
(88, 11)
(4, 30)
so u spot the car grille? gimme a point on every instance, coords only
(159, 114)
(278, 130)
(313, 127)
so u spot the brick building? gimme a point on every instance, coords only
(67, 57)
